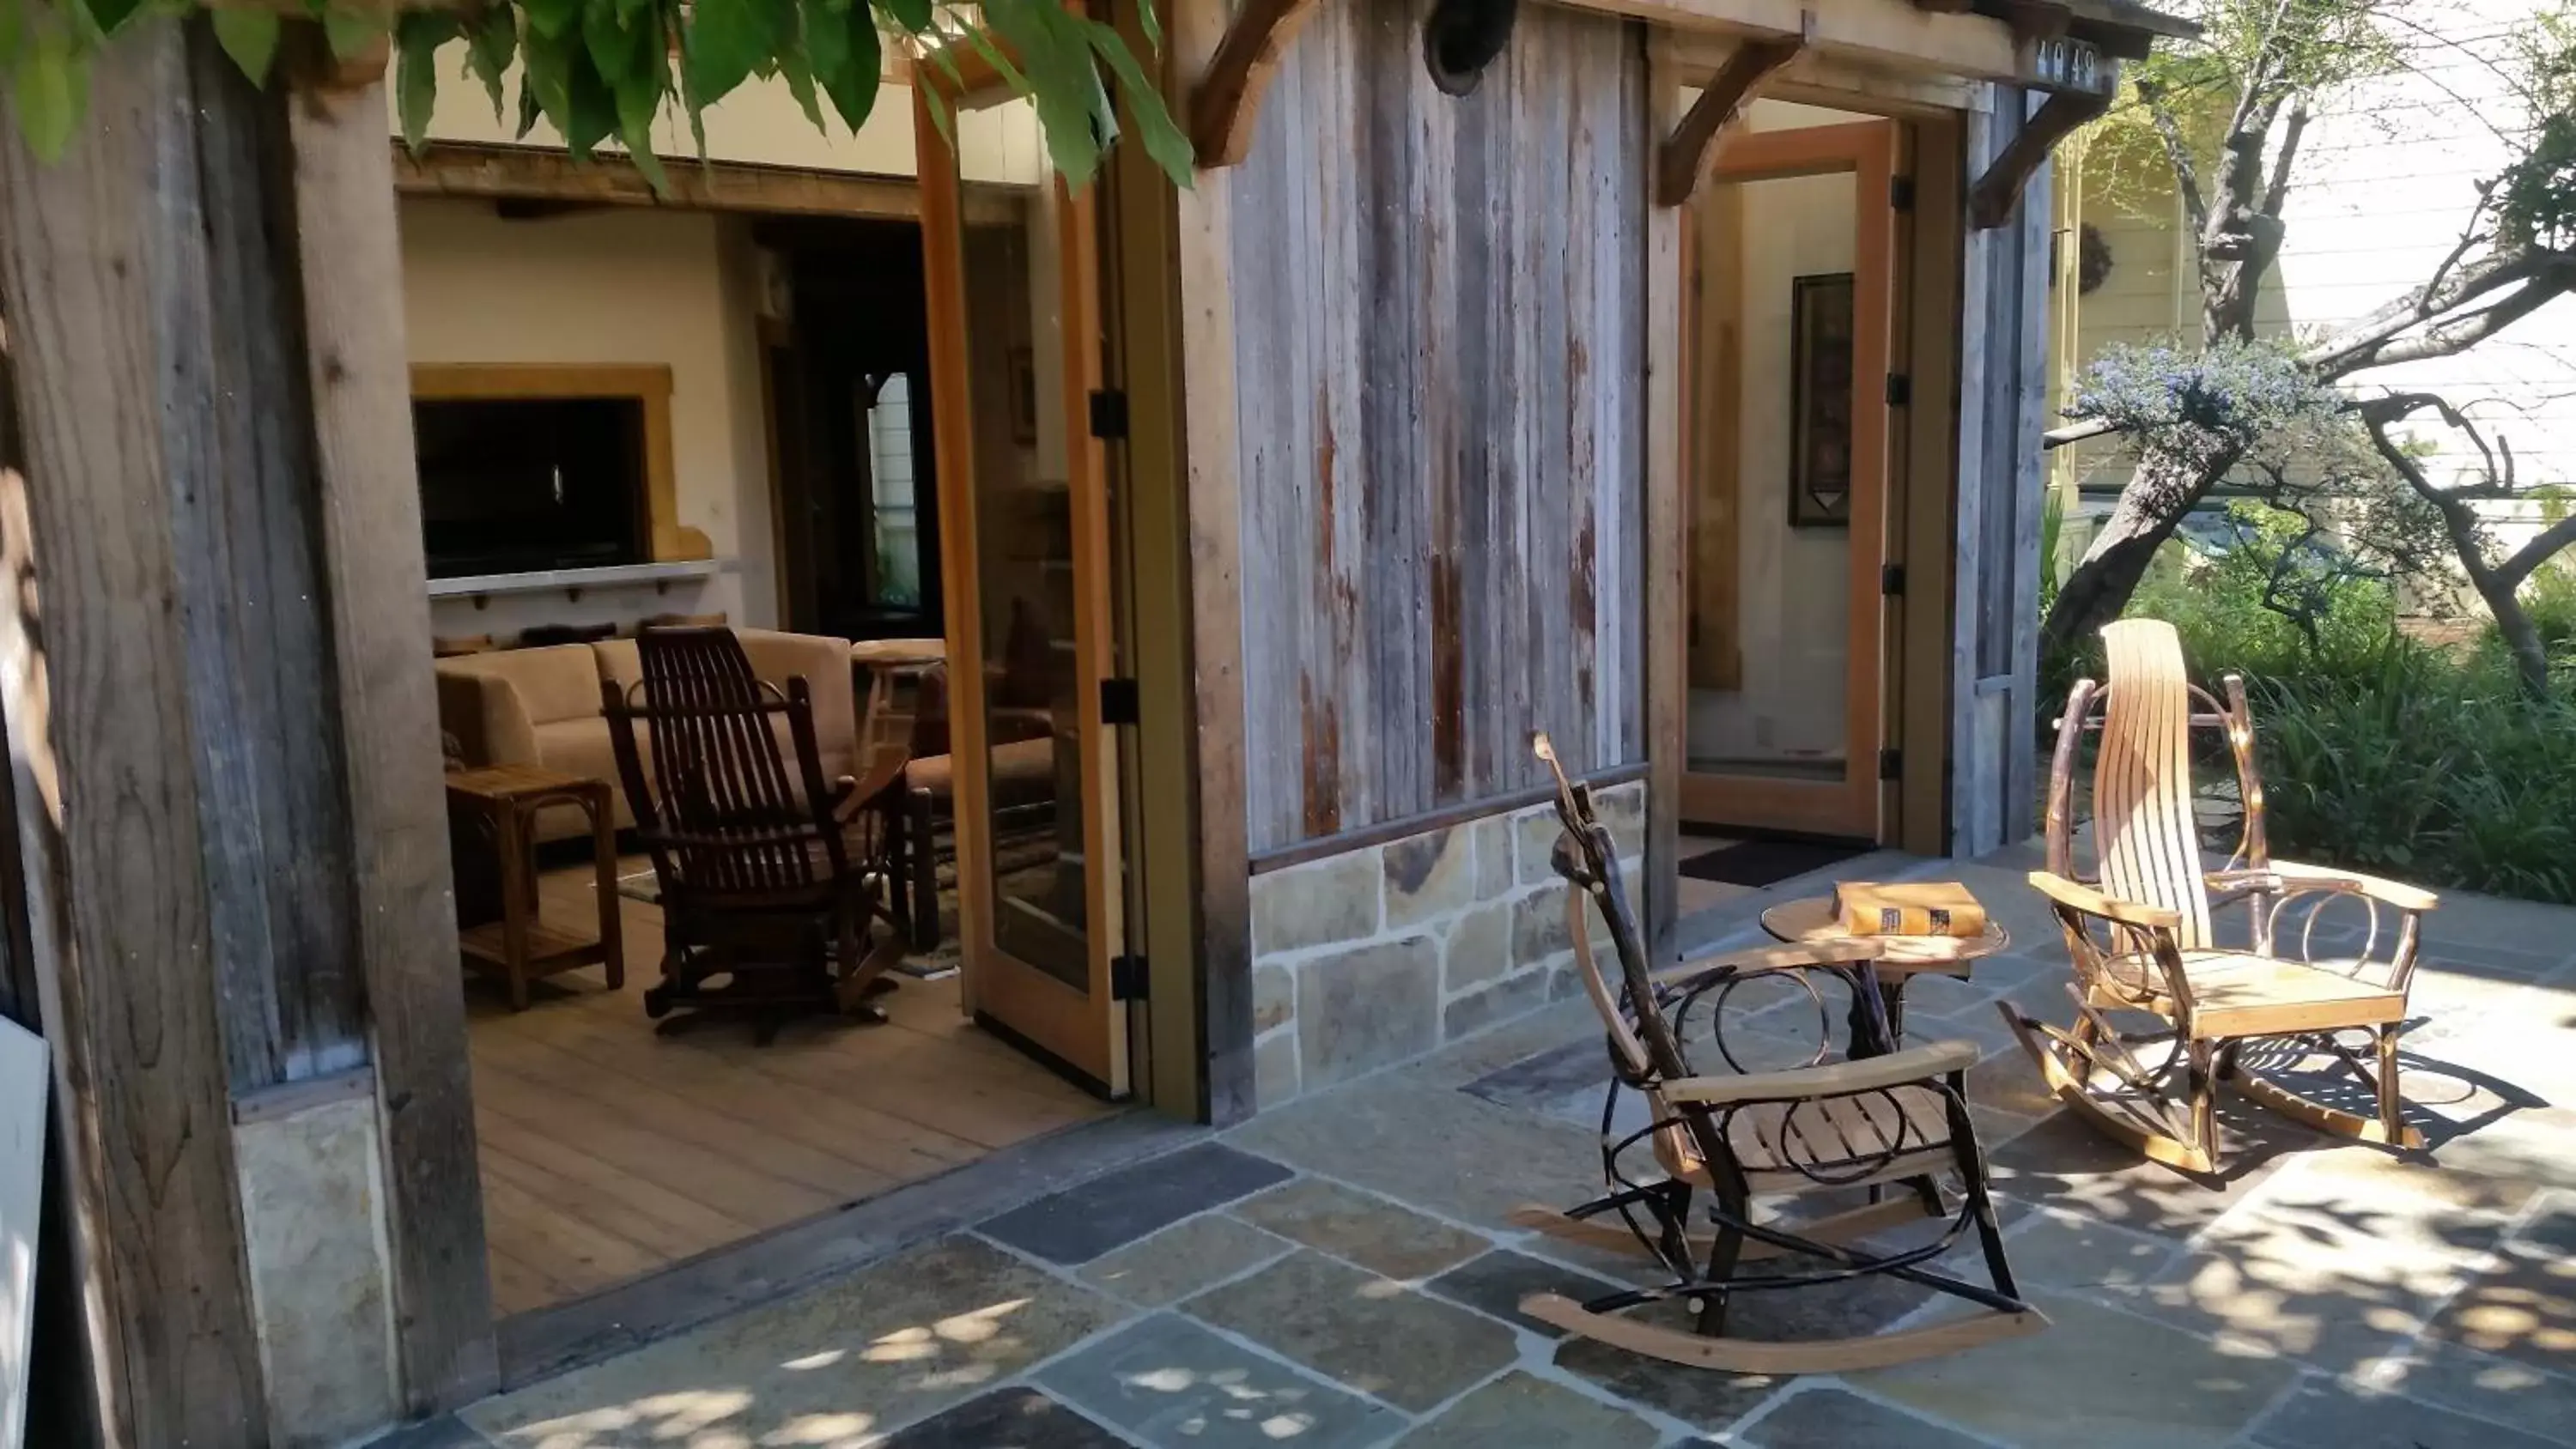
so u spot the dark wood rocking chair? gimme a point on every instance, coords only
(1896, 1116)
(770, 876)
(2141, 935)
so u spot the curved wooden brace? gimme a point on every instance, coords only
(1226, 102)
(1682, 159)
(2170, 1150)
(1750, 1356)
(1992, 198)
(2319, 1117)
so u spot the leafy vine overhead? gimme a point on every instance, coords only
(598, 70)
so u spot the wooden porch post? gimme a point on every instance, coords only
(1668, 448)
(218, 712)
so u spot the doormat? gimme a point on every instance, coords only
(1767, 862)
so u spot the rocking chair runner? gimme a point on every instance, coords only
(2141, 936)
(1900, 1116)
(769, 877)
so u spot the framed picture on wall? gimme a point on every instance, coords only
(1820, 401)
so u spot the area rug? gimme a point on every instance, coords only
(1767, 862)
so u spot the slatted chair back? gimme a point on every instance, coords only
(726, 813)
(2146, 835)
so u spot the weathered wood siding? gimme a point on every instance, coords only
(1439, 312)
(2003, 383)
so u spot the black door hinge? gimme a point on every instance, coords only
(1108, 413)
(1891, 580)
(1127, 978)
(1900, 192)
(1891, 764)
(1900, 390)
(1119, 704)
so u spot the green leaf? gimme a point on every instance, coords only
(51, 91)
(490, 49)
(912, 15)
(827, 40)
(1165, 141)
(549, 64)
(351, 36)
(13, 33)
(854, 94)
(1072, 105)
(614, 51)
(551, 18)
(800, 84)
(249, 37)
(726, 41)
(1150, 23)
(530, 111)
(639, 100)
(590, 110)
(417, 37)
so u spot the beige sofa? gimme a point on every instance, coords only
(541, 707)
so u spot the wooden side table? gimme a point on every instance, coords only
(889, 662)
(1813, 919)
(522, 945)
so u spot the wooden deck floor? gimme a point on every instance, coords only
(608, 1151)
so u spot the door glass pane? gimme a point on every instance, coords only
(896, 535)
(1025, 578)
(1771, 557)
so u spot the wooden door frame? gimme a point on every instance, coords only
(1868, 151)
(1047, 1014)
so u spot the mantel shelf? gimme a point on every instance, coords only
(575, 580)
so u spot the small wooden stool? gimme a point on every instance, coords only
(521, 944)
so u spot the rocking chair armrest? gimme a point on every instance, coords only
(1757, 960)
(1869, 1074)
(2093, 903)
(2331, 878)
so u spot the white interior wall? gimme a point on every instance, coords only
(623, 287)
(1793, 607)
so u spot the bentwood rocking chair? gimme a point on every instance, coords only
(2141, 933)
(1896, 1117)
(770, 877)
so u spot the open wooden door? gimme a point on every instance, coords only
(1013, 279)
(1794, 279)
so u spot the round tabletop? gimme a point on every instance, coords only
(894, 653)
(1814, 918)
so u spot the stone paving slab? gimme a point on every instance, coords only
(889, 1344)
(1834, 1418)
(1521, 1409)
(1083, 1222)
(1018, 1418)
(1360, 1330)
(2500, 1390)
(1171, 1382)
(2523, 1308)
(2096, 1377)
(1183, 1259)
(1496, 1283)
(1360, 1228)
(2325, 1414)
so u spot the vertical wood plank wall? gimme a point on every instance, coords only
(1439, 314)
(2002, 401)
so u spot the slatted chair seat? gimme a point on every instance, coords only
(2237, 993)
(2139, 929)
(1889, 1116)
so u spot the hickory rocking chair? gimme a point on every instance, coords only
(2141, 932)
(1899, 1116)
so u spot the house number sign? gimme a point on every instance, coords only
(2063, 63)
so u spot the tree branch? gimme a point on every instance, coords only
(2178, 153)
(2276, 192)
(2544, 546)
(2374, 341)
(2077, 432)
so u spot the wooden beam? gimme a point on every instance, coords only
(535, 174)
(1886, 33)
(376, 576)
(1998, 189)
(1682, 159)
(1215, 517)
(1931, 483)
(107, 283)
(1225, 105)
(1668, 450)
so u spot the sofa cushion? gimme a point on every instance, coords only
(556, 682)
(1023, 774)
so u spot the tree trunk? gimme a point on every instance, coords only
(2530, 657)
(2151, 505)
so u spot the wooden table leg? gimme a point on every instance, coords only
(517, 905)
(603, 849)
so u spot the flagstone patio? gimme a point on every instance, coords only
(1340, 1272)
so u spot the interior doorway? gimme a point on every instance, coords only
(1794, 477)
